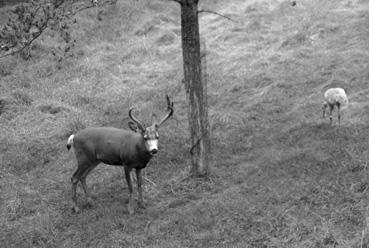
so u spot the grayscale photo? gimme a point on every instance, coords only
(184, 123)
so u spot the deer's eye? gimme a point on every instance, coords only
(146, 137)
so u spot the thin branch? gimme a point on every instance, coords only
(215, 13)
(177, 1)
(147, 179)
(44, 26)
(81, 9)
(14, 52)
(35, 12)
(28, 43)
(196, 143)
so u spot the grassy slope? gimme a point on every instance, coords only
(281, 176)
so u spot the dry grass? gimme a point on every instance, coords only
(281, 177)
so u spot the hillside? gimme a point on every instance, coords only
(281, 176)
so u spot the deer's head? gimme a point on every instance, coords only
(150, 134)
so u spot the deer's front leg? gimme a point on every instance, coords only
(139, 188)
(129, 183)
(330, 114)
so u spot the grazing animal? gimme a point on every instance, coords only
(132, 149)
(334, 97)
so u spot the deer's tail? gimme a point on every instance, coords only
(70, 141)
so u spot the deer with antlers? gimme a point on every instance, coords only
(132, 149)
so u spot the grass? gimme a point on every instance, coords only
(281, 176)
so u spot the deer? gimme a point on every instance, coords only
(334, 97)
(131, 149)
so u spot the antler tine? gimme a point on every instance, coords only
(140, 126)
(169, 103)
(170, 111)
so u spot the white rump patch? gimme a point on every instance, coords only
(70, 140)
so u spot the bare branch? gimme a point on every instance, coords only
(196, 143)
(81, 9)
(150, 181)
(26, 45)
(177, 1)
(31, 20)
(215, 13)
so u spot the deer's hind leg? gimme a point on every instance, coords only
(75, 178)
(84, 167)
(84, 185)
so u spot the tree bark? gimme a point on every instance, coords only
(197, 112)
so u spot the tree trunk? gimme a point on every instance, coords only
(197, 114)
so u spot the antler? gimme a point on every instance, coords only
(139, 125)
(170, 111)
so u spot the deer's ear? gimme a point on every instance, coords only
(133, 126)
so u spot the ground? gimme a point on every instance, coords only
(281, 176)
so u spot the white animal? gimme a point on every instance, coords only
(335, 97)
(114, 146)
